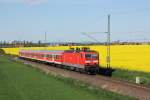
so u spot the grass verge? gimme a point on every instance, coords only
(131, 76)
(19, 82)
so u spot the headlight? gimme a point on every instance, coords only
(87, 61)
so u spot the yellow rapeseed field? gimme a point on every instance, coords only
(131, 57)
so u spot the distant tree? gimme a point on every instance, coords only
(2, 51)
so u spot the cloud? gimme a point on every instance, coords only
(35, 2)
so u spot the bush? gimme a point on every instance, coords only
(2, 51)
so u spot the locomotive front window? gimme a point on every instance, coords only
(91, 56)
(94, 56)
(87, 55)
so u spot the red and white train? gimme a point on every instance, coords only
(78, 60)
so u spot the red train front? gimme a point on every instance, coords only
(77, 60)
(81, 60)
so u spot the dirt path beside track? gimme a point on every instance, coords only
(121, 87)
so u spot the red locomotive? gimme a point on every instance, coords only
(78, 60)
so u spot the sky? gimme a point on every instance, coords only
(65, 20)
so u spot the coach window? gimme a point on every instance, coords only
(49, 56)
(56, 56)
(46, 55)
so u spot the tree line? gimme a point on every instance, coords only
(16, 43)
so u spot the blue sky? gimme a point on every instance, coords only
(64, 20)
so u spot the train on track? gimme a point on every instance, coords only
(84, 60)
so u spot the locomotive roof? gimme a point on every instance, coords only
(78, 51)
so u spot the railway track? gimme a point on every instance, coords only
(117, 86)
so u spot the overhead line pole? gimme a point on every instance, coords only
(108, 44)
(108, 41)
(45, 38)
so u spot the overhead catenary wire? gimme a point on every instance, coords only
(89, 36)
(108, 41)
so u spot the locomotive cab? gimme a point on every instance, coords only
(91, 61)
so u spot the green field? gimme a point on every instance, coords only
(21, 82)
(131, 76)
